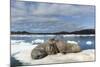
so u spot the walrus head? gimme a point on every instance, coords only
(38, 54)
(52, 41)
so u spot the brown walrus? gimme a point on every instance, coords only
(61, 45)
(38, 52)
(51, 47)
(73, 48)
(67, 47)
(42, 50)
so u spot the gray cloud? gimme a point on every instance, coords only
(47, 17)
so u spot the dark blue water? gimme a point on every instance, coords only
(82, 40)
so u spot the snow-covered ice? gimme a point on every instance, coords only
(23, 54)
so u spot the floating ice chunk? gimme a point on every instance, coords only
(38, 41)
(89, 42)
(72, 42)
(19, 42)
(25, 43)
(13, 42)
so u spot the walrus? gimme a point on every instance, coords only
(42, 50)
(51, 47)
(64, 47)
(73, 48)
(61, 45)
(39, 52)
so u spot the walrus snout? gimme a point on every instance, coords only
(51, 41)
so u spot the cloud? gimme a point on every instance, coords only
(39, 9)
(50, 17)
(57, 9)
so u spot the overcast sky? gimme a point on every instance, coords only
(51, 17)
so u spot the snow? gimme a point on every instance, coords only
(23, 54)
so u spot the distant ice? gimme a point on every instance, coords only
(50, 35)
(37, 41)
(72, 42)
(16, 41)
(19, 42)
(33, 35)
(89, 42)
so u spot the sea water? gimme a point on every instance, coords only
(85, 41)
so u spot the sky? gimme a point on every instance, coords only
(42, 17)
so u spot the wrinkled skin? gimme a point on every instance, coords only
(52, 47)
(38, 52)
(42, 50)
(73, 48)
(61, 45)
(67, 47)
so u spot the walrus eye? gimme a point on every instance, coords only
(38, 56)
